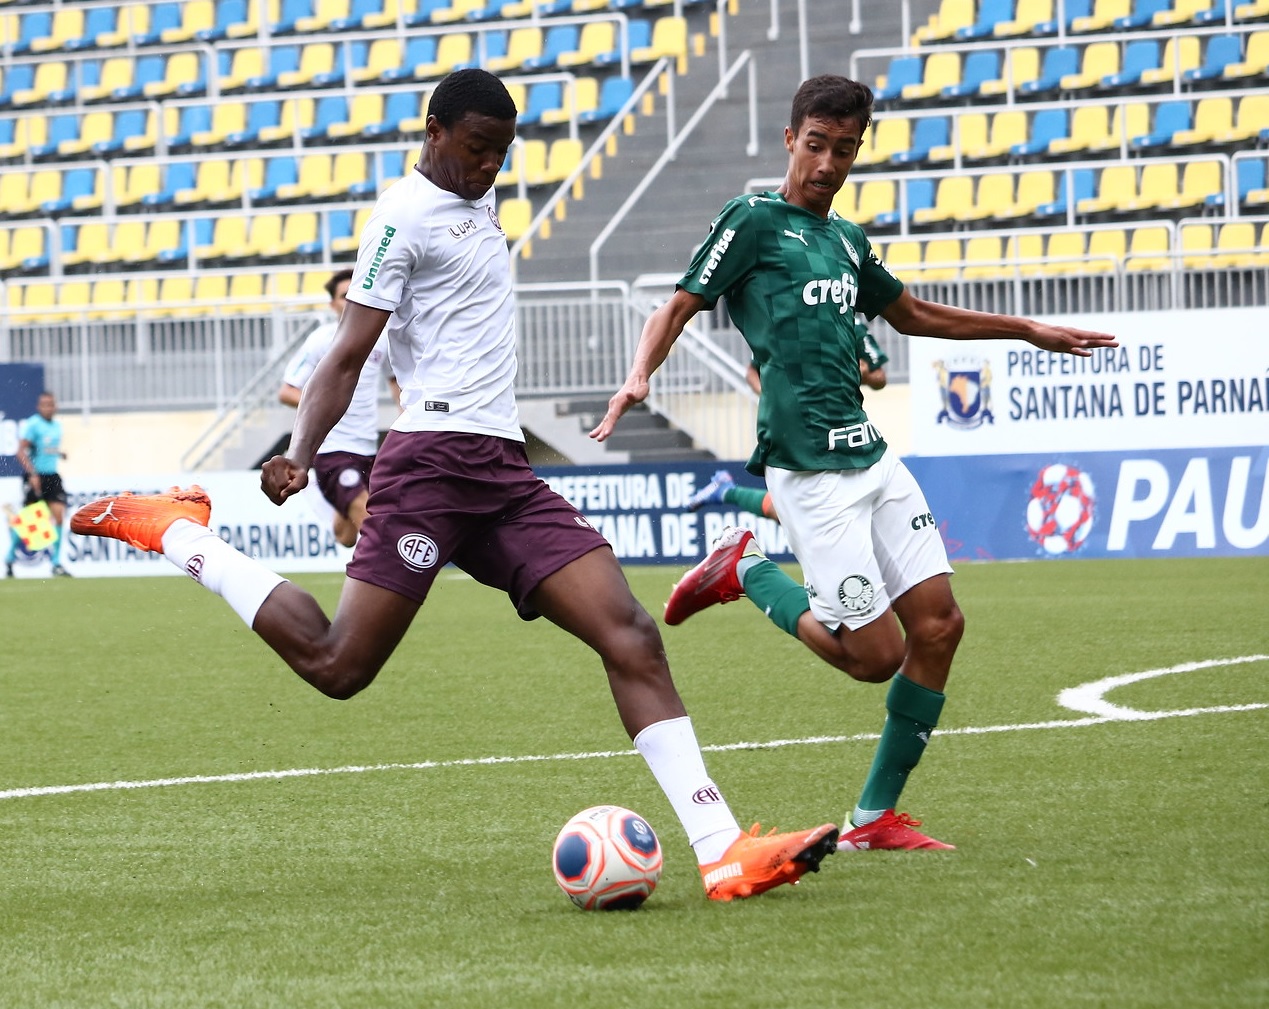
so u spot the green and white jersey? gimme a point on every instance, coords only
(793, 281)
(869, 349)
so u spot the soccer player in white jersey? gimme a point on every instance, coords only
(793, 273)
(452, 482)
(343, 461)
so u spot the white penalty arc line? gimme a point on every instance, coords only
(1087, 698)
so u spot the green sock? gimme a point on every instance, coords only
(778, 596)
(746, 498)
(912, 712)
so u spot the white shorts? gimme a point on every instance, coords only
(863, 537)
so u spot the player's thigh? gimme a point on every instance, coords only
(906, 540)
(369, 623)
(827, 516)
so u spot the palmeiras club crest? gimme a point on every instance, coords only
(965, 388)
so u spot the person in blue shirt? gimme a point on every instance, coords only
(39, 451)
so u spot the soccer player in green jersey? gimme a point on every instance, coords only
(878, 601)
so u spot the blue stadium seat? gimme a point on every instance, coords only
(177, 176)
(329, 109)
(1169, 118)
(1058, 62)
(1249, 177)
(228, 14)
(193, 119)
(1074, 9)
(279, 171)
(283, 59)
(59, 128)
(1214, 14)
(128, 123)
(31, 26)
(162, 17)
(1143, 12)
(76, 182)
(1084, 181)
(1046, 126)
(1221, 51)
(423, 14)
(613, 94)
(290, 12)
(397, 106)
(358, 11)
(491, 11)
(990, 13)
(20, 77)
(260, 115)
(97, 21)
(903, 70)
(559, 39)
(980, 65)
(1140, 55)
(543, 96)
(420, 49)
(918, 194)
(931, 132)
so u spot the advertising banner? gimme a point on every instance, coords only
(20, 388)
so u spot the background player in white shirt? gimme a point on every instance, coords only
(452, 483)
(343, 462)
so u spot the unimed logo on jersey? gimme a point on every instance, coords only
(384, 242)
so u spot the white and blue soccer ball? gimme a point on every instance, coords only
(607, 858)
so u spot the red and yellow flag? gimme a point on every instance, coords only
(34, 527)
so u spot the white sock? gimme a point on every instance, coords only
(243, 583)
(674, 757)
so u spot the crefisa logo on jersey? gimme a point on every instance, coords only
(965, 389)
(1060, 511)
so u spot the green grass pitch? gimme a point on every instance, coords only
(1118, 863)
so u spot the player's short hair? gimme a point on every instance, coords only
(471, 90)
(336, 280)
(829, 96)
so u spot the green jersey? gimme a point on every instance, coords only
(793, 281)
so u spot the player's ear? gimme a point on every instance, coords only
(789, 137)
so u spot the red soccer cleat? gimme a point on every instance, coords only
(141, 519)
(713, 580)
(755, 863)
(890, 832)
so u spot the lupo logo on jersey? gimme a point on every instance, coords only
(1060, 511)
(965, 388)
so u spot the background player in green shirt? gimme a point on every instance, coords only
(878, 601)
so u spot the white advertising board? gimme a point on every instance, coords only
(1168, 385)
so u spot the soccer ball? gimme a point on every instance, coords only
(1060, 512)
(607, 858)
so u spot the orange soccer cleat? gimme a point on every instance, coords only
(141, 519)
(755, 863)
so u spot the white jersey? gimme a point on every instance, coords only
(440, 265)
(357, 431)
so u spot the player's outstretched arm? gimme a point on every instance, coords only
(659, 333)
(916, 317)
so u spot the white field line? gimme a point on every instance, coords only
(1086, 698)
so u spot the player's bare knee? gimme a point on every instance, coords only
(877, 666)
(941, 631)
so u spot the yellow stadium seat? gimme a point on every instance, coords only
(176, 293)
(876, 196)
(1007, 129)
(313, 180)
(1022, 64)
(456, 11)
(247, 62)
(1255, 59)
(384, 54)
(227, 117)
(50, 77)
(1196, 246)
(1182, 13)
(1035, 188)
(196, 16)
(904, 260)
(182, 68)
(142, 293)
(580, 95)
(1126, 122)
(1252, 11)
(348, 168)
(127, 237)
(315, 58)
(365, 110)
(1090, 125)
(951, 16)
(993, 197)
(941, 259)
(324, 13)
(1100, 59)
(669, 39)
(297, 114)
(951, 196)
(68, 23)
(94, 128)
(211, 291)
(73, 300)
(1253, 116)
(969, 131)
(392, 10)
(1064, 254)
(108, 297)
(887, 137)
(1116, 190)
(133, 19)
(515, 216)
(246, 293)
(1025, 253)
(15, 189)
(522, 44)
(450, 51)
(596, 37)
(1213, 117)
(43, 185)
(37, 300)
(264, 235)
(92, 244)
(1179, 55)
(1027, 15)
(1199, 180)
(163, 234)
(116, 72)
(982, 258)
(1148, 250)
(941, 69)
(844, 201)
(1106, 250)
(1102, 17)
(562, 158)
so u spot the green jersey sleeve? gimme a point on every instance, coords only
(878, 287)
(726, 258)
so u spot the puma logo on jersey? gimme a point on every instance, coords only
(796, 234)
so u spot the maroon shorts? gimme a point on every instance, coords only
(342, 476)
(437, 497)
